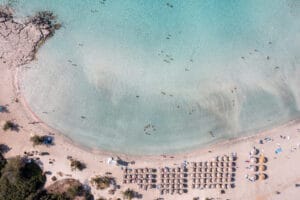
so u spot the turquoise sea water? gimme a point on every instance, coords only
(150, 77)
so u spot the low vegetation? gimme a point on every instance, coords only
(2, 162)
(77, 165)
(101, 182)
(20, 179)
(73, 192)
(4, 148)
(37, 140)
(129, 194)
(40, 140)
(9, 125)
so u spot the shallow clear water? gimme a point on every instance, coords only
(144, 77)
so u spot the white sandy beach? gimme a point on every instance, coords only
(17, 46)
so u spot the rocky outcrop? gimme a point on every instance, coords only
(19, 42)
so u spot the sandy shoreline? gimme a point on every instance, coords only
(12, 57)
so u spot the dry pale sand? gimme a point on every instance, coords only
(17, 44)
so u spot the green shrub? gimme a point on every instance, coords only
(2, 162)
(101, 182)
(37, 140)
(10, 125)
(129, 194)
(76, 164)
(20, 180)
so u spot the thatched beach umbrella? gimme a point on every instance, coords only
(220, 169)
(253, 177)
(262, 167)
(193, 164)
(214, 164)
(214, 170)
(224, 158)
(262, 159)
(253, 168)
(262, 176)
(231, 169)
(254, 160)
(254, 151)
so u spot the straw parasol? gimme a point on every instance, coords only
(262, 159)
(253, 177)
(254, 168)
(214, 164)
(254, 160)
(254, 151)
(194, 164)
(220, 169)
(262, 176)
(224, 158)
(262, 167)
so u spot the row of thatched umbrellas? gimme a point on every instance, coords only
(173, 175)
(260, 176)
(172, 191)
(140, 181)
(215, 160)
(212, 186)
(212, 175)
(213, 180)
(140, 170)
(167, 181)
(174, 186)
(212, 170)
(139, 176)
(213, 164)
(166, 170)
